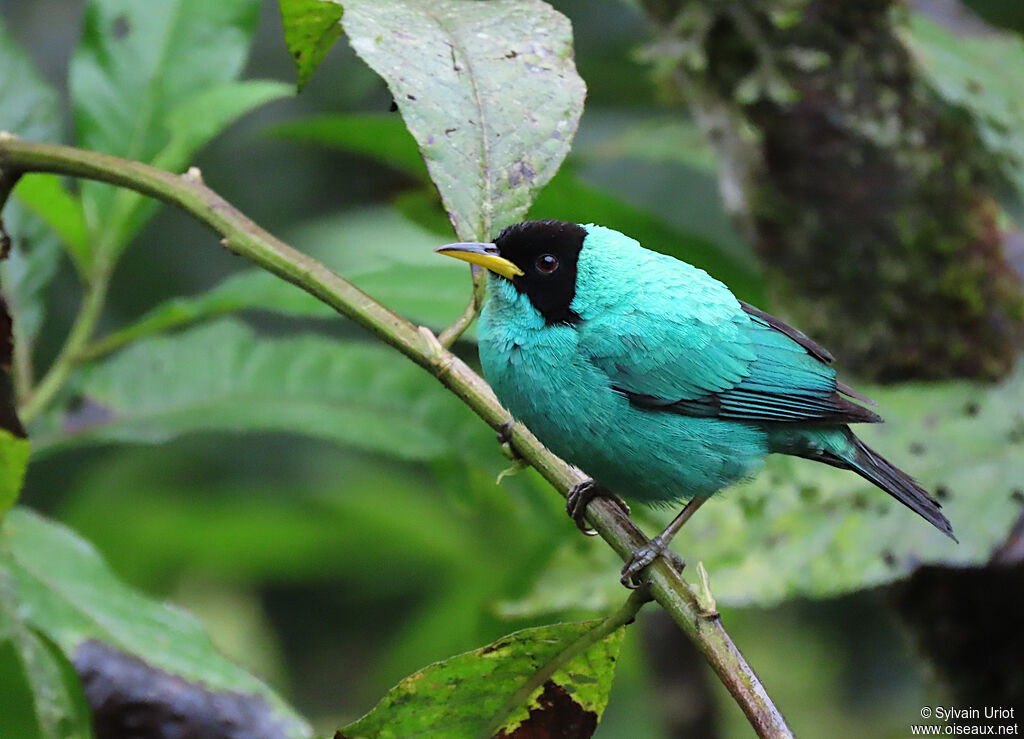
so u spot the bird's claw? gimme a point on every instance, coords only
(579, 497)
(504, 435)
(576, 502)
(632, 572)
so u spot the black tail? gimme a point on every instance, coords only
(871, 466)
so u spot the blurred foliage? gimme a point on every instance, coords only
(394, 276)
(64, 590)
(41, 695)
(337, 563)
(981, 72)
(196, 51)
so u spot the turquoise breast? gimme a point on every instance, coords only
(546, 380)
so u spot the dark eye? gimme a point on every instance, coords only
(546, 263)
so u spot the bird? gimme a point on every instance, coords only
(651, 377)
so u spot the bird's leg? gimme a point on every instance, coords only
(579, 497)
(659, 546)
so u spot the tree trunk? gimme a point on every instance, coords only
(865, 194)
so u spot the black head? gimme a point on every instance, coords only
(547, 252)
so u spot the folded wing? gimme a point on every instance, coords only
(709, 355)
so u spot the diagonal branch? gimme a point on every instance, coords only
(244, 237)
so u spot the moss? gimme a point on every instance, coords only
(866, 195)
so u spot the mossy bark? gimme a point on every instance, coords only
(866, 195)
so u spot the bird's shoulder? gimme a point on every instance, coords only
(678, 340)
(668, 330)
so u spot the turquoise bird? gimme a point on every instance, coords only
(654, 379)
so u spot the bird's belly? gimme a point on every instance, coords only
(645, 455)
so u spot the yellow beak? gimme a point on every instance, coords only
(486, 255)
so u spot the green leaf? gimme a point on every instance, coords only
(381, 136)
(982, 73)
(65, 590)
(398, 268)
(137, 62)
(51, 705)
(13, 463)
(489, 91)
(45, 196)
(805, 529)
(468, 695)
(199, 118)
(224, 377)
(143, 68)
(310, 29)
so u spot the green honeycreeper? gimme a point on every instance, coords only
(650, 376)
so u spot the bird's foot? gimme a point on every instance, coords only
(632, 572)
(579, 497)
(505, 441)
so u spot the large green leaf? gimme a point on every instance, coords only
(153, 82)
(41, 696)
(804, 529)
(981, 72)
(489, 91)
(474, 694)
(376, 248)
(310, 29)
(65, 591)
(224, 377)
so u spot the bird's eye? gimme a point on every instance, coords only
(546, 263)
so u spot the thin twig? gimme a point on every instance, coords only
(476, 300)
(68, 357)
(245, 238)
